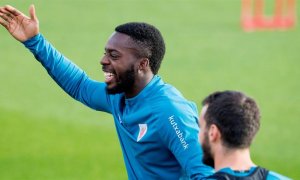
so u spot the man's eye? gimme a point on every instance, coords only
(114, 56)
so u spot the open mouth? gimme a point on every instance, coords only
(109, 77)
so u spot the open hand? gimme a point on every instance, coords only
(20, 26)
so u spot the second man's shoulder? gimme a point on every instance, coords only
(276, 176)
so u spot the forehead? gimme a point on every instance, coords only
(120, 42)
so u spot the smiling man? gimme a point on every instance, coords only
(157, 127)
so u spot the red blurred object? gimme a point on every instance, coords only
(253, 17)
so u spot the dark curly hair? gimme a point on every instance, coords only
(236, 115)
(149, 41)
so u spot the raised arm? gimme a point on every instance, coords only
(20, 26)
(64, 72)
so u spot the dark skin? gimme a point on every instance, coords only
(18, 24)
(120, 56)
(119, 59)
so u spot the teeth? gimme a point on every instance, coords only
(108, 74)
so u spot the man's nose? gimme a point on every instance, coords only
(104, 60)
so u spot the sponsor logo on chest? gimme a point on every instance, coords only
(142, 131)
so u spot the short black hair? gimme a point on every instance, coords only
(149, 39)
(236, 115)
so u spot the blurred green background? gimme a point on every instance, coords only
(44, 134)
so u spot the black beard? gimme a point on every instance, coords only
(125, 84)
(207, 156)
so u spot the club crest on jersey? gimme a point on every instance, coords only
(142, 132)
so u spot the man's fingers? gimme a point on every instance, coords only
(12, 10)
(5, 17)
(4, 23)
(5, 12)
(32, 12)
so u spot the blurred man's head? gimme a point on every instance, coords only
(229, 119)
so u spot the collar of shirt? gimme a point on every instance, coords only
(237, 173)
(145, 92)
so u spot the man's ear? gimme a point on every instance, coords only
(214, 133)
(144, 64)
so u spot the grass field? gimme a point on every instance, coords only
(44, 134)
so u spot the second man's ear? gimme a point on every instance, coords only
(214, 133)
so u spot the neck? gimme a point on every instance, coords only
(236, 159)
(140, 83)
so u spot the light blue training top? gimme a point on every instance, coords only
(157, 129)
